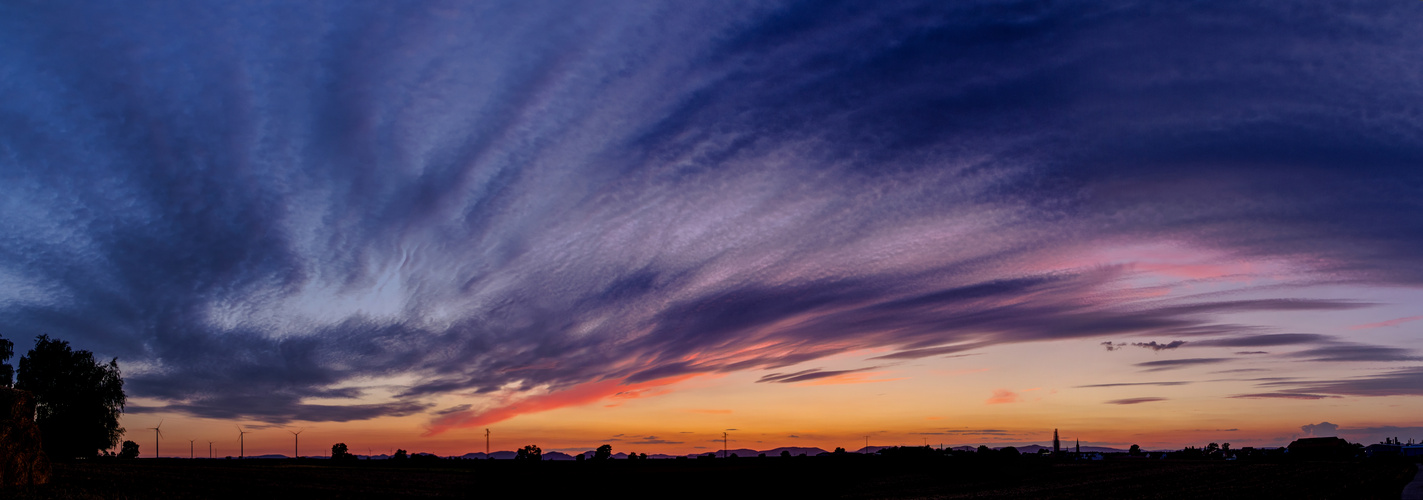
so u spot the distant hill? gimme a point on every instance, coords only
(744, 452)
(795, 451)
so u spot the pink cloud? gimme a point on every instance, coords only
(1001, 396)
(575, 396)
(1381, 324)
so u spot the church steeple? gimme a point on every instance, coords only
(1056, 445)
(1079, 446)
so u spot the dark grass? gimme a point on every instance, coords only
(800, 477)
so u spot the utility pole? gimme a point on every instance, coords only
(724, 441)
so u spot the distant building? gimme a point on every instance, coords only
(1383, 450)
(1056, 445)
(1321, 447)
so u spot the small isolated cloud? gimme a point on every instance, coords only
(1382, 324)
(1246, 353)
(1133, 401)
(654, 440)
(1001, 396)
(1323, 429)
(1227, 430)
(1172, 364)
(1112, 347)
(793, 436)
(1160, 347)
(1282, 395)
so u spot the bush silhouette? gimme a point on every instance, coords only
(603, 452)
(339, 451)
(129, 450)
(530, 453)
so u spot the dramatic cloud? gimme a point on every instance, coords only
(336, 212)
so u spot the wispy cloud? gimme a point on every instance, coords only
(1133, 401)
(1385, 324)
(1002, 396)
(1172, 364)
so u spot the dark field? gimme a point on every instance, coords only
(735, 478)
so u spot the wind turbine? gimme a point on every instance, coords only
(157, 433)
(190, 448)
(209, 449)
(296, 445)
(241, 443)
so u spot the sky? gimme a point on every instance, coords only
(398, 224)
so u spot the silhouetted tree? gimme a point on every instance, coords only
(1135, 450)
(839, 450)
(1010, 452)
(642, 456)
(984, 450)
(603, 452)
(632, 456)
(339, 451)
(531, 453)
(579, 457)
(1212, 449)
(1225, 450)
(400, 455)
(786, 453)
(129, 450)
(7, 372)
(77, 400)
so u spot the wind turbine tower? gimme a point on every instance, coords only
(157, 433)
(241, 441)
(209, 449)
(486, 442)
(296, 444)
(190, 448)
(724, 441)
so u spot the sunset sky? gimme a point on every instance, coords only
(397, 224)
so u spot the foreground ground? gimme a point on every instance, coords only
(734, 478)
